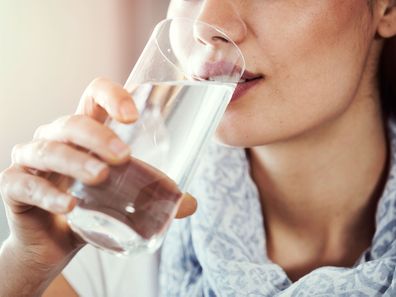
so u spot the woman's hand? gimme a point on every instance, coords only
(34, 186)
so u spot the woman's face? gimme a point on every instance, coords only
(311, 55)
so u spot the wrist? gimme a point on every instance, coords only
(25, 276)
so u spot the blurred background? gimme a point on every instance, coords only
(50, 50)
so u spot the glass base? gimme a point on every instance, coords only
(109, 234)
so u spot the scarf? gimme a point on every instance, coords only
(220, 250)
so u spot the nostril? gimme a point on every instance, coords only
(220, 38)
(214, 39)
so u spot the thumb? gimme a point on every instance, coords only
(187, 207)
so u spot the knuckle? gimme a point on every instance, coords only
(3, 180)
(44, 148)
(70, 122)
(4, 186)
(15, 153)
(31, 190)
(110, 89)
(97, 83)
(70, 162)
(6, 182)
(81, 125)
(108, 137)
(99, 79)
(39, 132)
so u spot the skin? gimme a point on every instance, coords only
(41, 243)
(319, 118)
(320, 124)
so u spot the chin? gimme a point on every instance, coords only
(241, 128)
(238, 138)
(247, 136)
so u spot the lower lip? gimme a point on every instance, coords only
(242, 88)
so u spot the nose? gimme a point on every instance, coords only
(222, 14)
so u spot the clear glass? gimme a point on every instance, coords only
(181, 84)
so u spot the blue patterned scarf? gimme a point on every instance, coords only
(220, 251)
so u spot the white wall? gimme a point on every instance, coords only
(50, 50)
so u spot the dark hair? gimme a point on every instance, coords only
(387, 77)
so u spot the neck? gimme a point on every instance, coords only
(323, 186)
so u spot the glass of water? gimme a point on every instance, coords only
(181, 84)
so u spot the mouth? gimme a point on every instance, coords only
(216, 72)
(247, 81)
(220, 71)
(249, 76)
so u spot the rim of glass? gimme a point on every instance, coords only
(190, 20)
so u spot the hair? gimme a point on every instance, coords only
(387, 77)
(387, 73)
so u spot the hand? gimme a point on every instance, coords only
(34, 186)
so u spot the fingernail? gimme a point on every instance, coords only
(94, 167)
(119, 148)
(187, 206)
(127, 111)
(188, 196)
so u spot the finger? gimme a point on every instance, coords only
(188, 206)
(53, 156)
(103, 97)
(21, 191)
(85, 132)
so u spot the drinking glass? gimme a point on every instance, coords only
(181, 85)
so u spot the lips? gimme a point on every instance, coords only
(217, 71)
(248, 76)
(227, 72)
(248, 81)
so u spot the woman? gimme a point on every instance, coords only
(318, 156)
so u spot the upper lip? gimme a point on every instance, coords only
(211, 71)
(215, 70)
(248, 76)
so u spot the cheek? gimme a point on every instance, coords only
(313, 58)
(318, 41)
